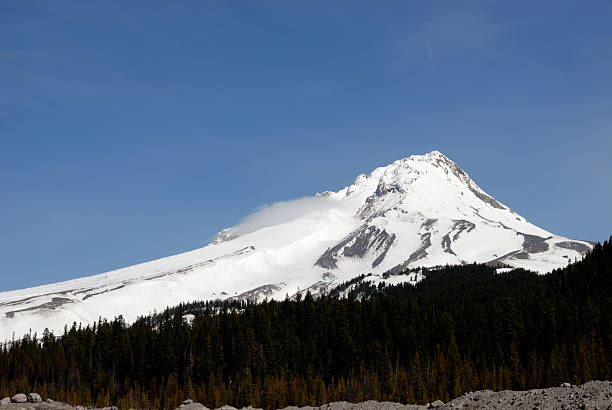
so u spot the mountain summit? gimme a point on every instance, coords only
(419, 211)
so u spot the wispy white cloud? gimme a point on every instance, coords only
(281, 212)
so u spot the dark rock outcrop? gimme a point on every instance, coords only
(357, 244)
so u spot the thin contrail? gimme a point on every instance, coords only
(431, 57)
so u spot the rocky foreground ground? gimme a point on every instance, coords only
(595, 395)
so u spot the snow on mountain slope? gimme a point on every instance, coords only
(419, 211)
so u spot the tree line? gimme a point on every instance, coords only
(463, 328)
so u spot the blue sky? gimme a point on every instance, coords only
(135, 130)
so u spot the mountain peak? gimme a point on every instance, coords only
(451, 169)
(419, 211)
(416, 163)
(430, 180)
(431, 156)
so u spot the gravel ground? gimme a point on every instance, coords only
(595, 395)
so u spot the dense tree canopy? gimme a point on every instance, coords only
(462, 328)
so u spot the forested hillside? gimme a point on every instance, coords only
(462, 328)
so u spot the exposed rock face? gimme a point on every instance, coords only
(5, 401)
(428, 208)
(319, 288)
(53, 304)
(534, 243)
(577, 246)
(226, 234)
(366, 238)
(372, 203)
(259, 293)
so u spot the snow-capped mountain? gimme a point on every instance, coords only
(416, 212)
